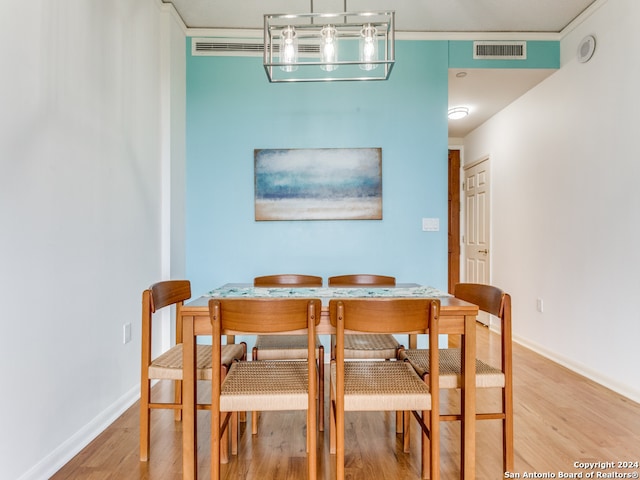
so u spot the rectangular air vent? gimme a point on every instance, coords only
(226, 46)
(253, 47)
(499, 50)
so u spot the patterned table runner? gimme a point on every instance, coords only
(326, 292)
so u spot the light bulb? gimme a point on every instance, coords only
(368, 47)
(328, 47)
(289, 49)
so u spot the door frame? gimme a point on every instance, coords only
(454, 193)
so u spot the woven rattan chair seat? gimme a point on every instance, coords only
(379, 386)
(283, 347)
(450, 363)
(265, 385)
(168, 366)
(369, 346)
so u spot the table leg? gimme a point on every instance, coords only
(468, 431)
(189, 438)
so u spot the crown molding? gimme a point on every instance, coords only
(400, 35)
(582, 17)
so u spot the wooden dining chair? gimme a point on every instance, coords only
(168, 366)
(268, 385)
(495, 302)
(287, 280)
(370, 385)
(366, 346)
(289, 347)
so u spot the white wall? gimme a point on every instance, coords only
(565, 203)
(81, 119)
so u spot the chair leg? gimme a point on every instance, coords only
(507, 430)
(224, 445)
(339, 441)
(337, 445)
(434, 443)
(145, 430)
(312, 460)
(430, 444)
(321, 388)
(332, 348)
(426, 460)
(307, 439)
(254, 415)
(332, 421)
(224, 441)
(243, 415)
(254, 422)
(216, 418)
(229, 431)
(177, 395)
(235, 435)
(406, 431)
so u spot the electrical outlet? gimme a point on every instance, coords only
(540, 305)
(126, 333)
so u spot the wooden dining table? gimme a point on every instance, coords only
(457, 317)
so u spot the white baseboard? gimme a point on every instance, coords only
(624, 390)
(74, 444)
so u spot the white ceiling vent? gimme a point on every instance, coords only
(227, 46)
(499, 50)
(252, 47)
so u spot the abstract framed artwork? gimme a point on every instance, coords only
(318, 184)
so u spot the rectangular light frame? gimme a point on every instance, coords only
(348, 26)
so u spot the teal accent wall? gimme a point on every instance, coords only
(540, 54)
(232, 109)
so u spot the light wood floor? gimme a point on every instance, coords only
(560, 418)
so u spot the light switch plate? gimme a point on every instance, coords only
(430, 224)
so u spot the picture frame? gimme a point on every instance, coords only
(318, 184)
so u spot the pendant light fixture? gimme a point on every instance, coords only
(368, 47)
(317, 47)
(289, 49)
(328, 48)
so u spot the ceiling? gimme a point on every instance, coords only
(484, 91)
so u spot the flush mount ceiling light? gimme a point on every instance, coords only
(456, 113)
(328, 47)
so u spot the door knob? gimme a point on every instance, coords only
(485, 251)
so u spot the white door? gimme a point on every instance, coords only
(477, 241)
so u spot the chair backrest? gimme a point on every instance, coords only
(264, 315)
(169, 292)
(362, 279)
(487, 297)
(495, 302)
(288, 279)
(385, 315)
(157, 296)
